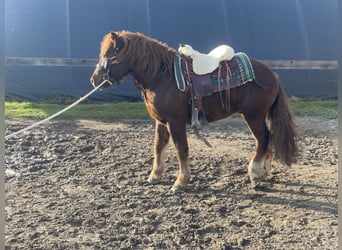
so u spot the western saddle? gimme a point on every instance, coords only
(207, 63)
(199, 69)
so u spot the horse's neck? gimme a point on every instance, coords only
(149, 82)
(150, 66)
(143, 81)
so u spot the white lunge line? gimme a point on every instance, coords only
(56, 114)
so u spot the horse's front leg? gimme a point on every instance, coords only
(160, 141)
(178, 134)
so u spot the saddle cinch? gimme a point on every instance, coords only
(205, 74)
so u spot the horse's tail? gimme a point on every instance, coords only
(284, 133)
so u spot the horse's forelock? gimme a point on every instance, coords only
(106, 43)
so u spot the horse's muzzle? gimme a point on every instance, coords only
(101, 79)
(92, 81)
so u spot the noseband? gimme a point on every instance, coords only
(109, 62)
(106, 70)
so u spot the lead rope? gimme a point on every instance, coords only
(56, 114)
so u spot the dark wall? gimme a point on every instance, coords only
(279, 30)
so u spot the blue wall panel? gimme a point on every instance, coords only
(266, 30)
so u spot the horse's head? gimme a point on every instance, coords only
(112, 66)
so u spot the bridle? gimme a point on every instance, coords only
(106, 70)
(108, 63)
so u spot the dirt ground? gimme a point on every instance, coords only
(83, 185)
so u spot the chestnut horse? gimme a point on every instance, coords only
(150, 62)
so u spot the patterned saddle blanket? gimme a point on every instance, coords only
(229, 74)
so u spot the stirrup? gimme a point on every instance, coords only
(194, 119)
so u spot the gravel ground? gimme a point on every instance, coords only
(83, 185)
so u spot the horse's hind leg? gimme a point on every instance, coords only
(260, 165)
(160, 141)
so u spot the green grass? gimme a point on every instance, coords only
(82, 111)
(106, 111)
(317, 108)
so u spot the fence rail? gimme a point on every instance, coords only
(302, 64)
(51, 61)
(79, 62)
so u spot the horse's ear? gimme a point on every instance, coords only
(114, 35)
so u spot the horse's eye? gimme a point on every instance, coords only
(112, 53)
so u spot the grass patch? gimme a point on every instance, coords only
(106, 111)
(317, 108)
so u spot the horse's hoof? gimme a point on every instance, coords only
(255, 182)
(153, 181)
(175, 189)
(178, 188)
(254, 185)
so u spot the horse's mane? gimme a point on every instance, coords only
(145, 54)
